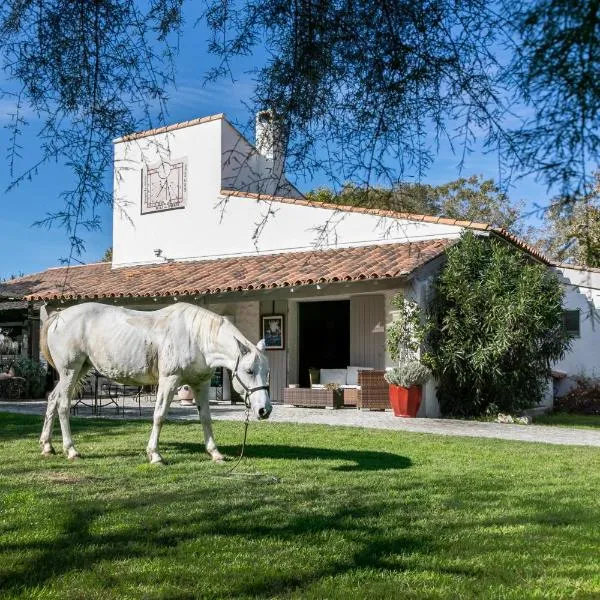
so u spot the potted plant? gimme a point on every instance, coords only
(405, 387)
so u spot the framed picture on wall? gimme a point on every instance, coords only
(272, 332)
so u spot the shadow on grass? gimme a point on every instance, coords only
(17, 426)
(363, 460)
(161, 531)
(79, 545)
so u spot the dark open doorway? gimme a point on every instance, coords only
(324, 337)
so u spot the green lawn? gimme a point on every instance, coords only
(568, 420)
(356, 514)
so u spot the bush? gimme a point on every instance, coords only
(494, 327)
(34, 374)
(404, 334)
(582, 400)
(408, 374)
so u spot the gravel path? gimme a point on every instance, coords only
(350, 417)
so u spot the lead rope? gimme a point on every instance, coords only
(241, 456)
(230, 471)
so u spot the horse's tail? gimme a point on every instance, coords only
(44, 339)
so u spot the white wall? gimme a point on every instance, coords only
(181, 232)
(211, 225)
(582, 291)
(245, 169)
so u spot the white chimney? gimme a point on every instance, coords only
(269, 141)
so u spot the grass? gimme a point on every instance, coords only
(569, 420)
(355, 514)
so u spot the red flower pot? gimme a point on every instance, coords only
(405, 401)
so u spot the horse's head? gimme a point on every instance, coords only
(250, 378)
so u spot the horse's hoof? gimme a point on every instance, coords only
(72, 454)
(156, 459)
(218, 457)
(48, 451)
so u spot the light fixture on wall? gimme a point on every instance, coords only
(318, 286)
(159, 254)
(292, 290)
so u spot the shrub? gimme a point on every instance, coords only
(404, 334)
(34, 374)
(408, 374)
(494, 327)
(583, 399)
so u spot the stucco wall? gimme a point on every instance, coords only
(582, 292)
(247, 319)
(211, 226)
(179, 233)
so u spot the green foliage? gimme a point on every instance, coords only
(494, 326)
(368, 89)
(572, 232)
(470, 199)
(108, 255)
(583, 399)
(34, 374)
(409, 373)
(404, 334)
(81, 74)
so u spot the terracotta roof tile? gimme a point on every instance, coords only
(226, 274)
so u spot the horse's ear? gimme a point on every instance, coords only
(261, 345)
(242, 347)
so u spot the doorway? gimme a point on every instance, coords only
(324, 337)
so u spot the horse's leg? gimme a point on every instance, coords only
(201, 392)
(46, 436)
(166, 390)
(66, 390)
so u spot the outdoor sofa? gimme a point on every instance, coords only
(363, 387)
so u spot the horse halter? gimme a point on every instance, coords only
(248, 391)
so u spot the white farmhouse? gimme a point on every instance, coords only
(203, 216)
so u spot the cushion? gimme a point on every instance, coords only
(315, 376)
(352, 377)
(333, 376)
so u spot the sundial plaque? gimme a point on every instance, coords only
(164, 186)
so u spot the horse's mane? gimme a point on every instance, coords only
(204, 323)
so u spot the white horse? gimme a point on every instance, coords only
(179, 344)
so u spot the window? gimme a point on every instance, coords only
(571, 322)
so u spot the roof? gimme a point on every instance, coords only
(474, 225)
(576, 267)
(258, 272)
(182, 125)
(13, 305)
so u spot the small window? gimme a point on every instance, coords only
(571, 322)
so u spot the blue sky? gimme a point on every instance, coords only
(27, 249)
